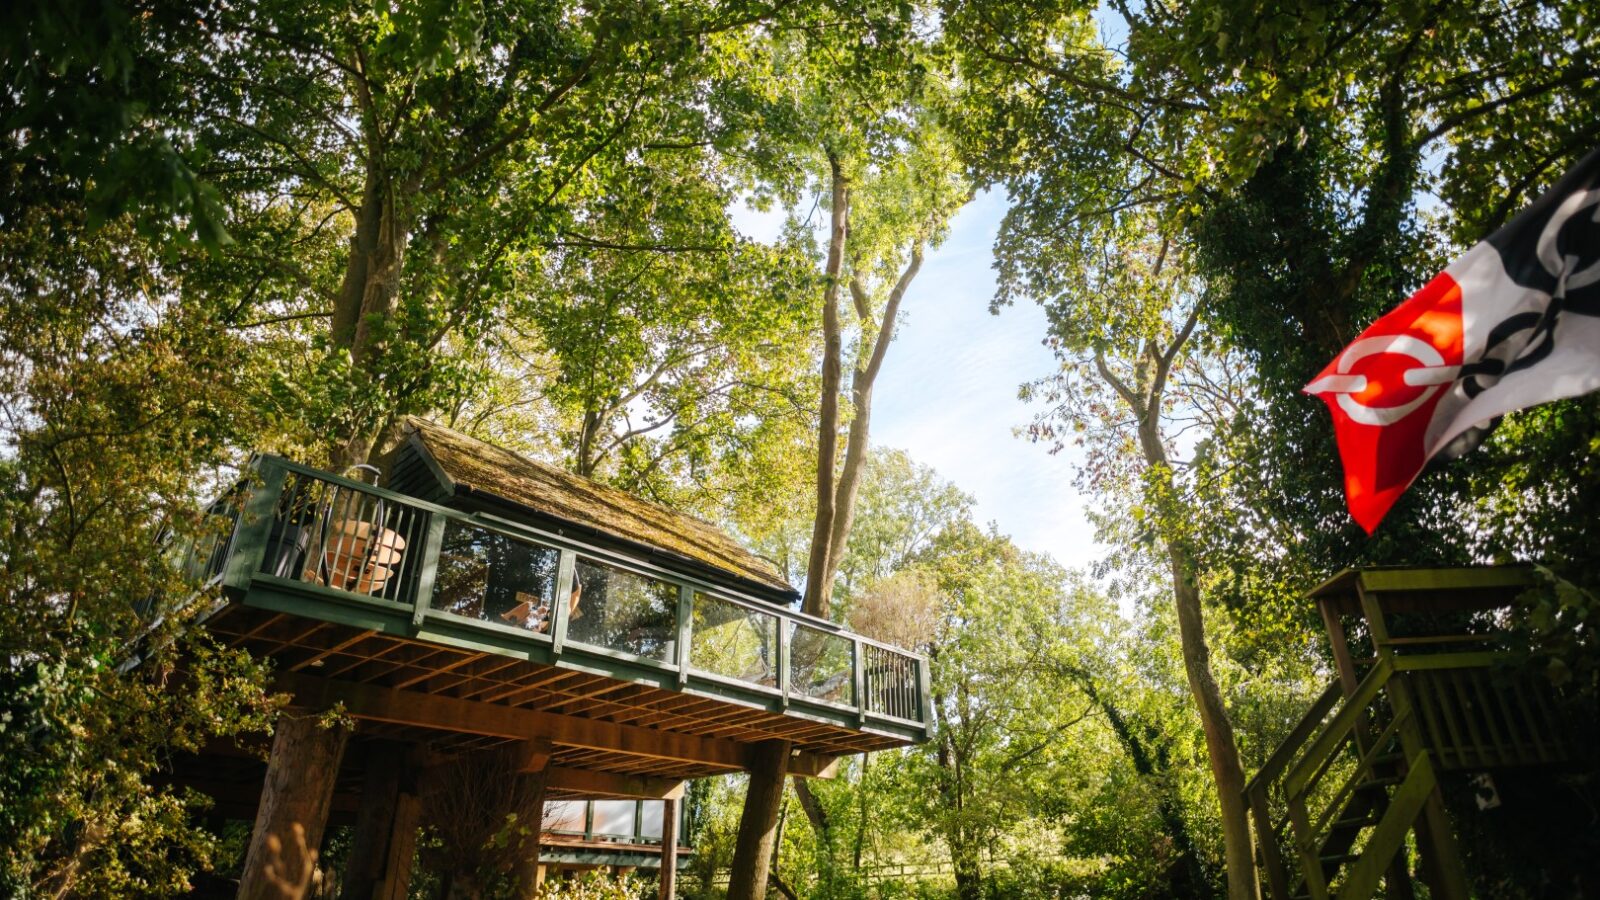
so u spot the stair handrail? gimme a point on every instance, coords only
(1295, 767)
(1332, 735)
(1280, 759)
(1269, 855)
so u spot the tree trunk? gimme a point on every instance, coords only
(964, 859)
(281, 860)
(819, 588)
(370, 288)
(821, 825)
(525, 871)
(859, 439)
(752, 853)
(963, 852)
(1226, 771)
(861, 813)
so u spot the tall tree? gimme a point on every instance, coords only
(1093, 238)
(394, 172)
(883, 218)
(859, 136)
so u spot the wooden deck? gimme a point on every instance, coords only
(668, 677)
(454, 699)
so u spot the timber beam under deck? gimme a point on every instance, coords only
(365, 702)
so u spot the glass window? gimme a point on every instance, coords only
(734, 641)
(614, 819)
(623, 611)
(650, 812)
(486, 575)
(820, 665)
(565, 816)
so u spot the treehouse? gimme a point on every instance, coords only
(1428, 693)
(483, 601)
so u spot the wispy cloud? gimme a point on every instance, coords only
(948, 394)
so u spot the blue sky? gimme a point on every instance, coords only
(948, 390)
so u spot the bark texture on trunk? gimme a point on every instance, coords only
(818, 592)
(952, 790)
(862, 380)
(969, 876)
(525, 872)
(371, 286)
(1223, 752)
(752, 853)
(839, 483)
(1226, 771)
(861, 813)
(367, 298)
(281, 860)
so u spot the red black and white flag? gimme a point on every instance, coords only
(1513, 323)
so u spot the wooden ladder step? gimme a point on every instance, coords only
(1355, 823)
(1376, 784)
(1339, 859)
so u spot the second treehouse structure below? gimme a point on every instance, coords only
(483, 601)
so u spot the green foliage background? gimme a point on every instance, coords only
(228, 227)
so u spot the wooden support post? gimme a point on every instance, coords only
(396, 881)
(534, 771)
(280, 862)
(669, 850)
(1339, 642)
(1436, 837)
(380, 790)
(386, 826)
(752, 854)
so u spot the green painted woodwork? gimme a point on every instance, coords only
(685, 631)
(253, 527)
(1454, 579)
(412, 616)
(1481, 660)
(1337, 732)
(430, 568)
(1389, 835)
(1379, 743)
(1457, 578)
(1444, 711)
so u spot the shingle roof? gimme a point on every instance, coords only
(551, 491)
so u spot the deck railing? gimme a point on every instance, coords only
(474, 577)
(622, 822)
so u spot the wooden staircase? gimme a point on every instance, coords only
(1332, 807)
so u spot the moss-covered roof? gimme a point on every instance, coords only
(482, 467)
